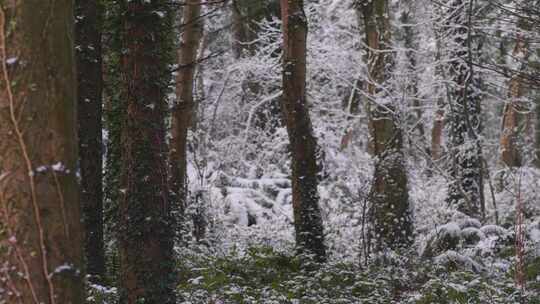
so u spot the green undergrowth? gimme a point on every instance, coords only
(263, 275)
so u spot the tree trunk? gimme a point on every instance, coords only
(409, 42)
(391, 212)
(183, 111)
(437, 133)
(307, 215)
(89, 114)
(439, 122)
(536, 97)
(516, 110)
(465, 192)
(145, 229)
(39, 201)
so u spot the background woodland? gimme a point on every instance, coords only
(265, 151)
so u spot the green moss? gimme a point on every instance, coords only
(532, 269)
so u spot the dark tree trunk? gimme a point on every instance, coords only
(391, 212)
(89, 114)
(465, 192)
(145, 225)
(114, 113)
(41, 237)
(305, 170)
(183, 111)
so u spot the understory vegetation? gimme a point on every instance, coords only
(262, 275)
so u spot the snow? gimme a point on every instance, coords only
(452, 229)
(11, 60)
(58, 167)
(455, 257)
(493, 230)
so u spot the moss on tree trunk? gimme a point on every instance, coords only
(89, 114)
(390, 212)
(307, 215)
(145, 226)
(465, 191)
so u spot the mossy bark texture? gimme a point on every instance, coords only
(390, 212)
(144, 229)
(89, 114)
(465, 191)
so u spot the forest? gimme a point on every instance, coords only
(269, 151)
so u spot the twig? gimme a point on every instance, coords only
(18, 253)
(255, 107)
(216, 103)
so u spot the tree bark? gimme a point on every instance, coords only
(536, 97)
(437, 149)
(409, 42)
(145, 229)
(516, 111)
(391, 212)
(437, 133)
(465, 192)
(305, 170)
(183, 111)
(89, 114)
(39, 202)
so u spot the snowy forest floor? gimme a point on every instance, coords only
(248, 253)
